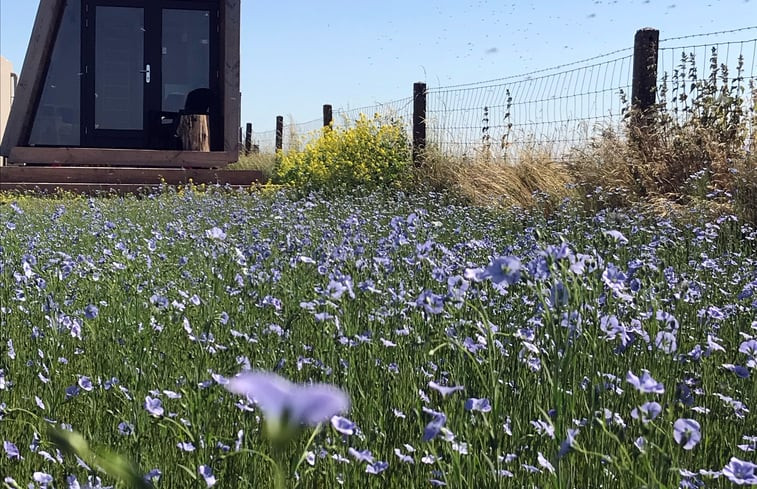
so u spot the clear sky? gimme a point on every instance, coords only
(300, 54)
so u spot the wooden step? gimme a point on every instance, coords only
(120, 180)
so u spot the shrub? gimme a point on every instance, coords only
(371, 152)
(693, 148)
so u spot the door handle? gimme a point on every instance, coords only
(146, 71)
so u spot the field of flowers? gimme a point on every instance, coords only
(478, 349)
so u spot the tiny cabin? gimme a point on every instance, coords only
(129, 83)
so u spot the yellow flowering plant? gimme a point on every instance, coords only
(370, 152)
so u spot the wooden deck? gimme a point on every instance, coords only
(120, 180)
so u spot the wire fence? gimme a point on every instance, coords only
(556, 109)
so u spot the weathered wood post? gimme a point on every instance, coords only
(248, 139)
(279, 133)
(419, 123)
(194, 132)
(643, 97)
(645, 59)
(328, 115)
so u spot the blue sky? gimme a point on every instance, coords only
(298, 55)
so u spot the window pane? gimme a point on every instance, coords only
(186, 55)
(57, 120)
(119, 61)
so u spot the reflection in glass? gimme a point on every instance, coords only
(186, 55)
(57, 120)
(119, 61)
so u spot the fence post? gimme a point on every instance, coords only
(328, 115)
(248, 139)
(419, 123)
(279, 133)
(645, 55)
(643, 97)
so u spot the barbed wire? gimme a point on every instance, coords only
(709, 34)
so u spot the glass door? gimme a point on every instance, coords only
(118, 74)
(146, 63)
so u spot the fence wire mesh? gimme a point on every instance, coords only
(719, 72)
(556, 109)
(551, 111)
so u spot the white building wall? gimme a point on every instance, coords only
(7, 92)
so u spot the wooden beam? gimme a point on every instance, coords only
(33, 73)
(232, 97)
(126, 176)
(120, 157)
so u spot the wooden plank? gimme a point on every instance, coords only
(119, 157)
(84, 188)
(79, 188)
(33, 73)
(171, 176)
(232, 97)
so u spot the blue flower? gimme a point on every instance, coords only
(740, 472)
(504, 270)
(646, 384)
(343, 425)
(280, 399)
(647, 412)
(445, 390)
(154, 406)
(207, 474)
(435, 426)
(474, 404)
(687, 432)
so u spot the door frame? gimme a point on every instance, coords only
(146, 138)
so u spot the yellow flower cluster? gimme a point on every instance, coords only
(371, 152)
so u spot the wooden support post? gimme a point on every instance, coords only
(419, 123)
(279, 133)
(194, 132)
(328, 115)
(645, 59)
(643, 97)
(248, 139)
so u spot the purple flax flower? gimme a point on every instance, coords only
(646, 384)
(687, 433)
(617, 236)
(545, 463)
(435, 426)
(647, 412)
(740, 472)
(278, 398)
(207, 474)
(377, 468)
(504, 270)
(215, 233)
(361, 456)
(430, 302)
(125, 428)
(91, 311)
(741, 372)
(568, 443)
(474, 404)
(343, 425)
(11, 451)
(154, 406)
(407, 459)
(445, 390)
(186, 446)
(42, 478)
(666, 341)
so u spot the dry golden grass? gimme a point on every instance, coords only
(264, 162)
(489, 181)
